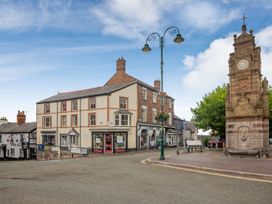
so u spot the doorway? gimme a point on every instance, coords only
(108, 142)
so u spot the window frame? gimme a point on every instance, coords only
(92, 105)
(74, 105)
(45, 122)
(46, 108)
(144, 93)
(121, 104)
(91, 122)
(61, 120)
(154, 99)
(144, 108)
(72, 121)
(62, 105)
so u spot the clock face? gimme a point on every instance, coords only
(242, 64)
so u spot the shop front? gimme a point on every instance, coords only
(109, 142)
(148, 136)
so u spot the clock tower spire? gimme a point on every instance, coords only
(247, 109)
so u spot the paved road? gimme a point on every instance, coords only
(120, 179)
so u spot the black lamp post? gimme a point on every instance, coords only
(174, 31)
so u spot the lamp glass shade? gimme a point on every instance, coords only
(146, 48)
(178, 38)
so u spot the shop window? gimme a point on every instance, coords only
(120, 142)
(47, 108)
(47, 121)
(63, 121)
(92, 103)
(144, 94)
(123, 103)
(74, 120)
(74, 105)
(48, 140)
(63, 106)
(92, 119)
(98, 142)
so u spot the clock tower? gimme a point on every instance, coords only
(247, 108)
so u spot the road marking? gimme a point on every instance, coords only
(209, 173)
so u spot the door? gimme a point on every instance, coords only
(108, 142)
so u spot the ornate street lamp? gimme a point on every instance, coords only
(174, 31)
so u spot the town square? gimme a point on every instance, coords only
(136, 102)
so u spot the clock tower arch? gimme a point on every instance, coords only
(247, 108)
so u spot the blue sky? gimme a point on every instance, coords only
(57, 45)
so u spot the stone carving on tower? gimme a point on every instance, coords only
(247, 108)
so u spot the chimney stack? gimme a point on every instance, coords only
(21, 117)
(121, 65)
(3, 120)
(157, 84)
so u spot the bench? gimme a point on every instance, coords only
(194, 145)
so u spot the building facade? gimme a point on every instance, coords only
(247, 109)
(116, 117)
(18, 140)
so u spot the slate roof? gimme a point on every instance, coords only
(98, 91)
(104, 90)
(15, 128)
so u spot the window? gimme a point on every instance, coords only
(92, 103)
(122, 119)
(48, 140)
(12, 152)
(63, 106)
(73, 140)
(74, 120)
(154, 113)
(12, 139)
(123, 103)
(117, 120)
(47, 108)
(64, 140)
(144, 113)
(144, 94)
(47, 121)
(0, 138)
(170, 103)
(154, 97)
(63, 121)
(92, 119)
(170, 119)
(74, 105)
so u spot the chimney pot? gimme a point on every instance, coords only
(157, 84)
(121, 65)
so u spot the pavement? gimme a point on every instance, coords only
(216, 162)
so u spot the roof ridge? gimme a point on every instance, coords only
(88, 89)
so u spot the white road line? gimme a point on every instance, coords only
(210, 173)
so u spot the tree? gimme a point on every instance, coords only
(210, 112)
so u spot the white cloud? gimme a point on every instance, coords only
(133, 19)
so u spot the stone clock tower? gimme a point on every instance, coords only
(247, 109)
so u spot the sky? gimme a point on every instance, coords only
(55, 46)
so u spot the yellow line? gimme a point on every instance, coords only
(216, 174)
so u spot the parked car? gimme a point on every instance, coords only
(270, 140)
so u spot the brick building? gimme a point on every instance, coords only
(116, 117)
